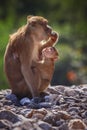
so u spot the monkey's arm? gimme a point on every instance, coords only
(51, 41)
(41, 64)
(31, 79)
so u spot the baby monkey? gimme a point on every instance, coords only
(45, 67)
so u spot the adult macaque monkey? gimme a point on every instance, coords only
(24, 47)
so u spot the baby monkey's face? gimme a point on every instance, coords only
(50, 53)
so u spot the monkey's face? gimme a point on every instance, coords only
(50, 53)
(39, 27)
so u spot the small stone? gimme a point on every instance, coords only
(36, 100)
(47, 98)
(25, 101)
(85, 121)
(84, 88)
(5, 102)
(52, 90)
(45, 105)
(9, 115)
(60, 122)
(44, 125)
(38, 116)
(64, 126)
(76, 124)
(64, 115)
(25, 125)
(5, 124)
(60, 101)
(33, 105)
(51, 118)
(75, 109)
(17, 128)
(70, 92)
(25, 111)
(60, 88)
(13, 98)
(52, 98)
(84, 114)
(41, 111)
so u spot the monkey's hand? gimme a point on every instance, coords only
(50, 42)
(54, 36)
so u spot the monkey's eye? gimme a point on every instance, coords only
(51, 49)
(33, 23)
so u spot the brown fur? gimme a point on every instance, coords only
(24, 47)
(45, 67)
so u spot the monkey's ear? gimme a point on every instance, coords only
(28, 17)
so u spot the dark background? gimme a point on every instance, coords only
(68, 18)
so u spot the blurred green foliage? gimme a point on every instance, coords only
(68, 18)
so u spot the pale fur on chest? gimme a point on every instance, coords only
(35, 53)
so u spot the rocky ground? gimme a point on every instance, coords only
(63, 108)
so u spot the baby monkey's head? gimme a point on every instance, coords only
(50, 53)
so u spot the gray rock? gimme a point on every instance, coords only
(44, 125)
(8, 115)
(62, 108)
(25, 101)
(5, 124)
(45, 105)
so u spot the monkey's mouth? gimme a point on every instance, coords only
(56, 58)
(49, 29)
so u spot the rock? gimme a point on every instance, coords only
(40, 114)
(74, 109)
(18, 128)
(52, 90)
(45, 105)
(8, 115)
(5, 124)
(25, 101)
(60, 122)
(36, 100)
(51, 118)
(60, 108)
(12, 97)
(64, 126)
(63, 115)
(76, 124)
(51, 97)
(33, 105)
(47, 98)
(25, 111)
(69, 92)
(44, 125)
(84, 114)
(23, 126)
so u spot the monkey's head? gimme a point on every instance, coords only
(39, 27)
(50, 53)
